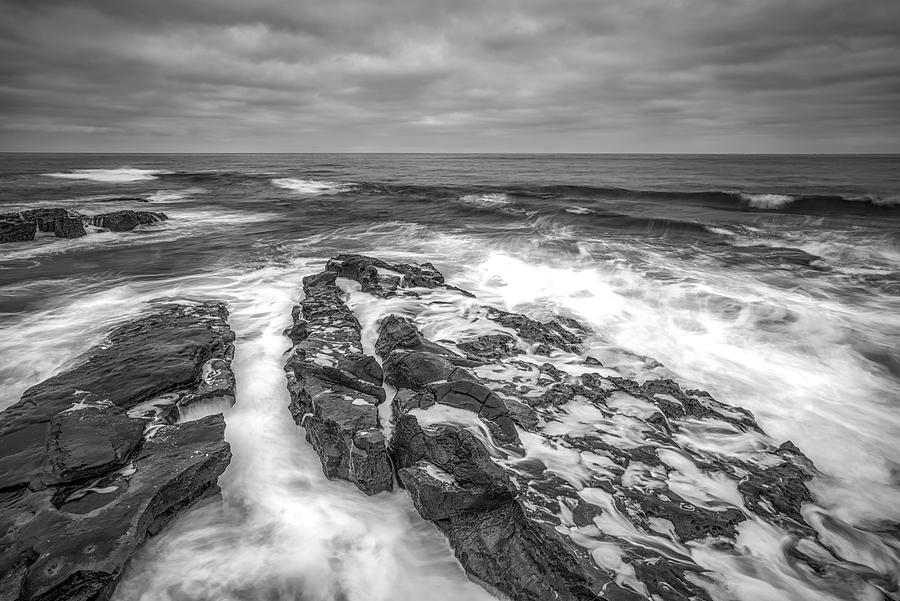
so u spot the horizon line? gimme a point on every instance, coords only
(81, 152)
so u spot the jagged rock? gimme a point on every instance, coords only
(127, 220)
(69, 226)
(46, 218)
(396, 332)
(364, 270)
(447, 470)
(548, 335)
(62, 222)
(92, 461)
(553, 483)
(336, 389)
(490, 348)
(16, 228)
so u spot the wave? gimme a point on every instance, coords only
(816, 204)
(487, 201)
(122, 175)
(312, 187)
(767, 201)
(174, 195)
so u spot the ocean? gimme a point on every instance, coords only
(772, 282)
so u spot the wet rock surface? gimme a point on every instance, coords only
(65, 223)
(98, 458)
(554, 477)
(336, 389)
(14, 227)
(125, 221)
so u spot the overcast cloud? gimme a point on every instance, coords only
(451, 76)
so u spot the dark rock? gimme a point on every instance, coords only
(163, 352)
(336, 389)
(16, 228)
(85, 478)
(404, 369)
(125, 221)
(364, 270)
(549, 334)
(399, 333)
(63, 222)
(76, 452)
(551, 485)
(490, 348)
(69, 226)
(778, 492)
(46, 218)
(98, 527)
(447, 470)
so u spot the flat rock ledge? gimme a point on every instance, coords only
(97, 459)
(64, 223)
(553, 477)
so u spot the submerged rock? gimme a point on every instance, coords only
(563, 333)
(94, 460)
(127, 220)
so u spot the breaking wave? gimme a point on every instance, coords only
(767, 201)
(122, 175)
(487, 201)
(311, 187)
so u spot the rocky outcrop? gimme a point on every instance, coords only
(63, 223)
(14, 227)
(398, 277)
(336, 389)
(125, 221)
(551, 476)
(96, 459)
(70, 226)
(563, 334)
(46, 218)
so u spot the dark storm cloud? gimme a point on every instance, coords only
(569, 75)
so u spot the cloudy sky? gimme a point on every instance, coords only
(451, 75)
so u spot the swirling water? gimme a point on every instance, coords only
(772, 282)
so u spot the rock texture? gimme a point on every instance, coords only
(63, 223)
(551, 476)
(95, 460)
(69, 226)
(336, 389)
(125, 221)
(14, 227)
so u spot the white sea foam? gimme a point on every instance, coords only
(312, 187)
(785, 354)
(579, 210)
(122, 175)
(488, 201)
(285, 531)
(767, 201)
(174, 195)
